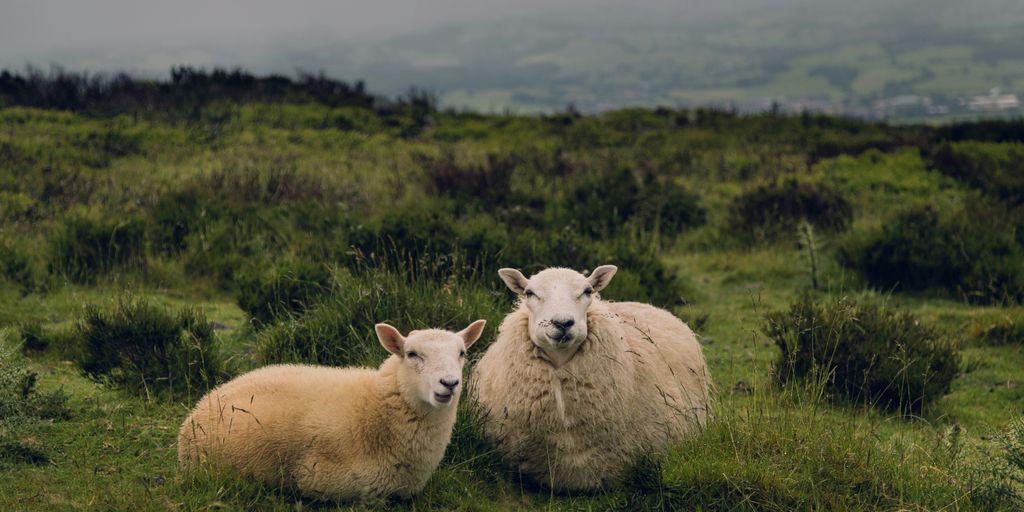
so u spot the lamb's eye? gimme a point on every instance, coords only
(529, 294)
(414, 355)
(588, 292)
(462, 354)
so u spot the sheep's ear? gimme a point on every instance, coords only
(514, 279)
(390, 338)
(472, 333)
(601, 276)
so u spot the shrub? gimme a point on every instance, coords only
(33, 337)
(923, 249)
(605, 202)
(285, 292)
(488, 184)
(150, 351)
(18, 267)
(1003, 474)
(1007, 331)
(863, 352)
(775, 209)
(85, 247)
(996, 169)
(21, 409)
(172, 219)
(339, 330)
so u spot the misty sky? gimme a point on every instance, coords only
(43, 30)
(123, 33)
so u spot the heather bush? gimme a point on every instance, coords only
(948, 250)
(22, 409)
(150, 350)
(996, 169)
(772, 210)
(283, 292)
(863, 352)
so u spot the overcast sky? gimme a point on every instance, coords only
(37, 29)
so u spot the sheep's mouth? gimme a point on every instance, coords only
(561, 338)
(442, 398)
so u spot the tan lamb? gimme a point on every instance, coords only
(344, 434)
(574, 387)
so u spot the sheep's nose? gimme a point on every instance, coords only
(563, 324)
(449, 382)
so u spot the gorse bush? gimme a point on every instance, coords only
(863, 353)
(775, 209)
(926, 248)
(287, 291)
(338, 330)
(85, 247)
(150, 350)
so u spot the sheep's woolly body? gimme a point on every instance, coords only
(338, 433)
(638, 381)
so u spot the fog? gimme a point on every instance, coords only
(537, 54)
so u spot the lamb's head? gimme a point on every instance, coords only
(557, 300)
(430, 361)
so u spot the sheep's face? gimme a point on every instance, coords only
(431, 361)
(557, 300)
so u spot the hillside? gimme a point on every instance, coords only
(256, 220)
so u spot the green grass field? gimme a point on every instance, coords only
(278, 184)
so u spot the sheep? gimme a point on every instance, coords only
(575, 388)
(340, 434)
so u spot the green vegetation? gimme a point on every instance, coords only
(148, 254)
(863, 352)
(150, 351)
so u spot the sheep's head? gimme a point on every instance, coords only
(557, 300)
(431, 360)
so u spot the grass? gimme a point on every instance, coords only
(764, 449)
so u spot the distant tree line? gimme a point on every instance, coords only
(188, 90)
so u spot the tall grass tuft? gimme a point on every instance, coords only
(87, 246)
(149, 350)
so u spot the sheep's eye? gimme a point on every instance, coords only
(462, 354)
(588, 291)
(415, 355)
(529, 293)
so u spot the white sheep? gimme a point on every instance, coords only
(574, 387)
(337, 433)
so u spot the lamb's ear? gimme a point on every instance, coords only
(514, 279)
(390, 339)
(472, 333)
(601, 276)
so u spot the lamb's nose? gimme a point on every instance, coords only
(449, 382)
(563, 324)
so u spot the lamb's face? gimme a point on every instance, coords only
(557, 300)
(431, 361)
